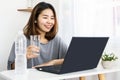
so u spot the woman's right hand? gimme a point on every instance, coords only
(32, 52)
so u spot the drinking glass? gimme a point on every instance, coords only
(35, 41)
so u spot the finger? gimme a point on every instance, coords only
(34, 55)
(30, 46)
(33, 67)
(33, 46)
(33, 49)
(36, 47)
(31, 55)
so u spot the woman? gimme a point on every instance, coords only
(52, 50)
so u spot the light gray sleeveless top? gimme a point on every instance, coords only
(54, 49)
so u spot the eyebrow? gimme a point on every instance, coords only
(47, 15)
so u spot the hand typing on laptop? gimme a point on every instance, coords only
(50, 63)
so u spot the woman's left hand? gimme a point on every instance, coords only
(50, 63)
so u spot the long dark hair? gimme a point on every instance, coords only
(32, 28)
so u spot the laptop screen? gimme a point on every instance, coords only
(83, 53)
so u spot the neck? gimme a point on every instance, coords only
(42, 38)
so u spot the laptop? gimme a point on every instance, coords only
(83, 53)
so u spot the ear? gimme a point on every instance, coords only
(35, 21)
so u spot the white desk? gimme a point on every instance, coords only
(33, 74)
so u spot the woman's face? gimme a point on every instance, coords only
(46, 20)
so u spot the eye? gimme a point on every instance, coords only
(52, 18)
(44, 17)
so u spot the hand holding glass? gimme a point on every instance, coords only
(35, 42)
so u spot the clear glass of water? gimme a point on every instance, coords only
(35, 41)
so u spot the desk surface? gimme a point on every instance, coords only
(33, 74)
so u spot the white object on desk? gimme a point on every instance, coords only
(34, 74)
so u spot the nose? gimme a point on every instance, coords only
(49, 21)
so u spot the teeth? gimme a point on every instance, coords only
(48, 26)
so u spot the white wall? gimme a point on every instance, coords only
(96, 18)
(10, 22)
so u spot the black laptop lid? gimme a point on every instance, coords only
(83, 53)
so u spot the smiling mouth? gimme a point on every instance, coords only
(48, 27)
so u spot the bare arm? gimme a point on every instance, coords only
(52, 62)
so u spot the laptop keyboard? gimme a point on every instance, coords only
(53, 69)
